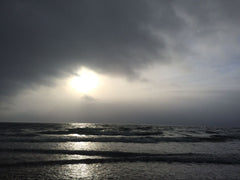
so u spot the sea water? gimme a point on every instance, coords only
(107, 151)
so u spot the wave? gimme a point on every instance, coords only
(78, 152)
(118, 157)
(141, 139)
(121, 131)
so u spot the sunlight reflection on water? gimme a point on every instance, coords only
(79, 170)
(65, 151)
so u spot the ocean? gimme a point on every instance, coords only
(110, 151)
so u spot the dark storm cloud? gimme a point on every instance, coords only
(43, 39)
(40, 39)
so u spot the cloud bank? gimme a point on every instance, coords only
(41, 40)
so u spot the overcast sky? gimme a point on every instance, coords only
(155, 61)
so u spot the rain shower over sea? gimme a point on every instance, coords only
(107, 151)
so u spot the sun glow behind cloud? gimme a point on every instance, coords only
(85, 81)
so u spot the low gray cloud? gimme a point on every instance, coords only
(40, 39)
(218, 109)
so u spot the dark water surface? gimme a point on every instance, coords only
(106, 151)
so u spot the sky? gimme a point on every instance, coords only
(141, 61)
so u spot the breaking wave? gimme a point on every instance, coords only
(141, 139)
(115, 157)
